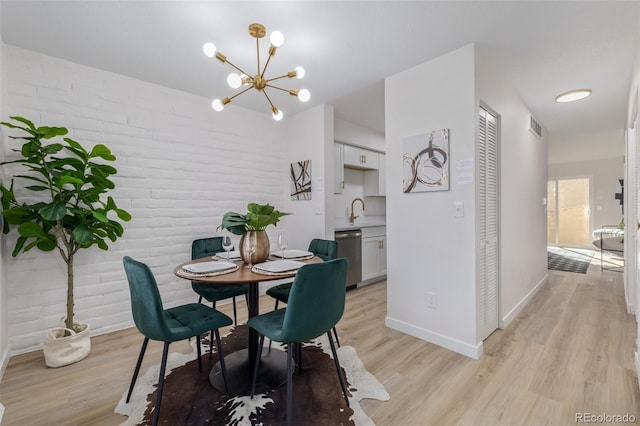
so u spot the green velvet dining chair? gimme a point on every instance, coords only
(315, 305)
(324, 249)
(168, 325)
(204, 247)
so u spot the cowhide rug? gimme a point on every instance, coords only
(189, 399)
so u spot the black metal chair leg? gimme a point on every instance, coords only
(235, 314)
(138, 364)
(199, 352)
(200, 299)
(335, 333)
(223, 366)
(289, 385)
(255, 368)
(338, 369)
(275, 308)
(211, 344)
(299, 351)
(163, 366)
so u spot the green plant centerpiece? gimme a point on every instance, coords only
(68, 183)
(254, 243)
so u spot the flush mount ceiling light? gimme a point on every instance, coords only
(573, 95)
(258, 81)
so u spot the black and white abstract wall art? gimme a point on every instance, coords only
(425, 162)
(300, 172)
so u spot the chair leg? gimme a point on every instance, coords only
(338, 369)
(211, 345)
(255, 368)
(200, 299)
(199, 352)
(299, 351)
(275, 308)
(223, 366)
(335, 333)
(138, 364)
(289, 385)
(235, 314)
(163, 367)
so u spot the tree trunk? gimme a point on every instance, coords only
(69, 319)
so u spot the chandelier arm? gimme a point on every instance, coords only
(272, 52)
(258, 54)
(268, 99)
(237, 68)
(278, 88)
(241, 92)
(278, 78)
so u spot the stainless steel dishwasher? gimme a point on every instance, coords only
(350, 246)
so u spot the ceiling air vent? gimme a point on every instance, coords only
(535, 127)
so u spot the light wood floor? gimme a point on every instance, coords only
(570, 351)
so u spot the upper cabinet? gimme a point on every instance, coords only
(374, 180)
(338, 168)
(359, 158)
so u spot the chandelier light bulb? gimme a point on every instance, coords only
(209, 49)
(276, 39)
(304, 95)
(299, 72)
(277, 114)
(234, 80)
(217, 105)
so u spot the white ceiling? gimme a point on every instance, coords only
(349, 47)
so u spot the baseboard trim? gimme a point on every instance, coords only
(513, 313)
(446, 342)
(4, 361)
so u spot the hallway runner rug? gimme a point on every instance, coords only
(569, 259)
(189, 399)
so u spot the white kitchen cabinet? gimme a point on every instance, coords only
(375, 180)
(338, 168)
(359, 158)
(374, 252)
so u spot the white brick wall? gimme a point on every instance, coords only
(180, 167)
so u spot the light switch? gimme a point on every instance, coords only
(458, 209)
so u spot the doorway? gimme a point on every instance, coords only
(569, 212)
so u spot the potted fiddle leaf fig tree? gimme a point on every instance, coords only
(254, 243)
(65, 210)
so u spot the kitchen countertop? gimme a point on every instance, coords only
(342, 224)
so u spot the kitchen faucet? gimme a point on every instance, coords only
(352, 217)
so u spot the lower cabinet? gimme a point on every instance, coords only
(374, 252)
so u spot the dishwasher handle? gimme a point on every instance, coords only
(348, 234)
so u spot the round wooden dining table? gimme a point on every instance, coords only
(240, 364)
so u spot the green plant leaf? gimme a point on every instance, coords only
(99, 216)
(24, 121)
(52, 148)
(18, 247)
(123, 215)
(47, 132)
(103, 152)
(54, 211)
(69, 179)
(47, 245)
(31, 230)
(82, 235)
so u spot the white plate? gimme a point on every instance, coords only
(233, 255)
(283, 265)
(291, 253)
(205, 267)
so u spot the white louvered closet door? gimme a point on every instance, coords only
(488, 223)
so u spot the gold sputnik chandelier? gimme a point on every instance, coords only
(259, 82)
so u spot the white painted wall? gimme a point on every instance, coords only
(4, 342)
(605, 174)
(309, 136)
(354, 134)
(181, 166)
(523, 185)
(428, 249)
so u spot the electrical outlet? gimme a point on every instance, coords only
(432, 300)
